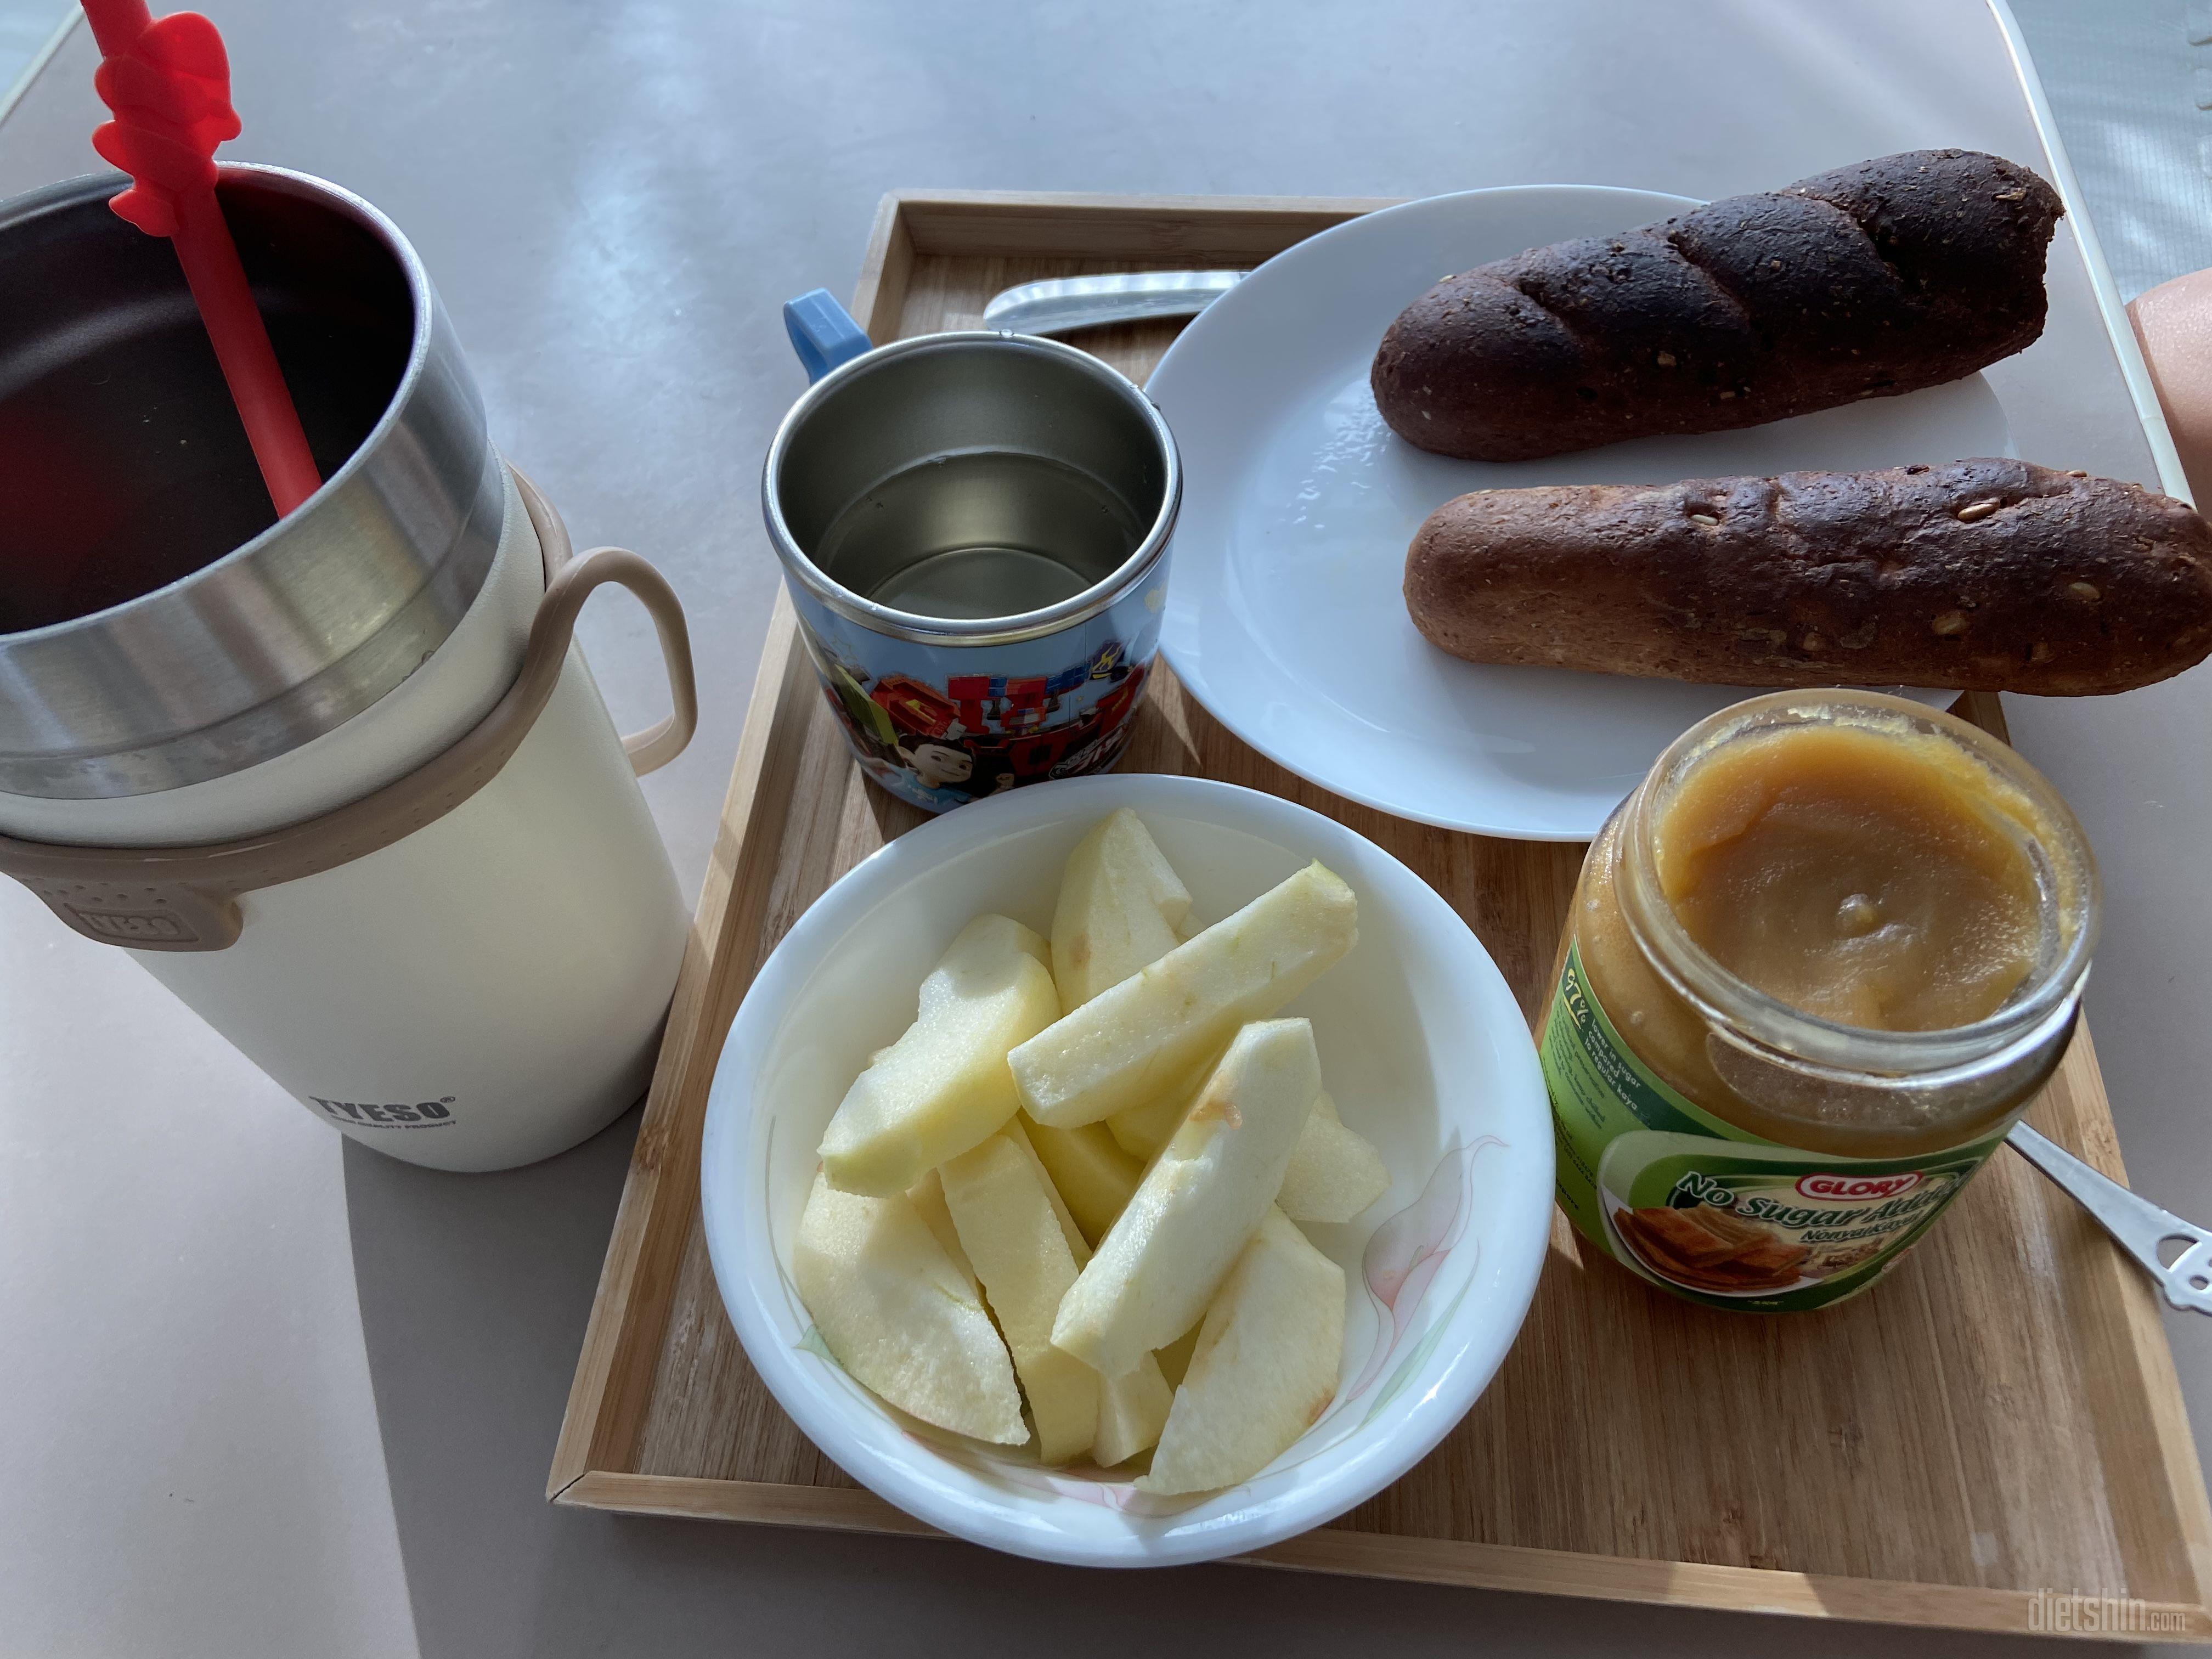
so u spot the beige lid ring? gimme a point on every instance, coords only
(185, 898)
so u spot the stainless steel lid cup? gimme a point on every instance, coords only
(974, 529)
(157, 628)
(342, 783)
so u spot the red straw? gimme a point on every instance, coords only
(168, 84)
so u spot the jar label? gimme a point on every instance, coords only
(1710, 1211)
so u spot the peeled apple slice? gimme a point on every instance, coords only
(944, 1085)
(1121, 909)
(928, 1197)
(1143, 1130)
(1093, 1176)
(1264, 1368)
(900, 1317)
(1132, 1409)
(1335, 1173)
(1128, 1042)
(1120, 906)
(1160, 1263)
(1001, 1202)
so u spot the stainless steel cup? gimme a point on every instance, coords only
(157, 628)
(973, 528)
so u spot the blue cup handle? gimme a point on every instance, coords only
(822, 332)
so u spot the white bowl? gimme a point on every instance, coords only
(1421, 1044)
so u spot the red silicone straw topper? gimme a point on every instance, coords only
(168, 84)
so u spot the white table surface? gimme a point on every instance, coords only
(270, 1395)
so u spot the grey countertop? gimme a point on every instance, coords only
(273, 1395)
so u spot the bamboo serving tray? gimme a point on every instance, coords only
(1997, 1423)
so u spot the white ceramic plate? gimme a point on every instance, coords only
(1283, 615)
(1421, 1043)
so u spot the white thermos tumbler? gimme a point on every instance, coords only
(341, 782)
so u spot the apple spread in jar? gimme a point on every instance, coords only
(1817, 965)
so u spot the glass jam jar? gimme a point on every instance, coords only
(1817, 965)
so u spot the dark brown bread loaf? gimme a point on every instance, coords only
(1992, 576)
(1887, 276)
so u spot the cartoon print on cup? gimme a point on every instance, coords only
(940, 765)
(941, 744)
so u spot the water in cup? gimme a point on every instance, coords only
(985, 533)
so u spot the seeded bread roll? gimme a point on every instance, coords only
(1883, 277)
(1981, 575)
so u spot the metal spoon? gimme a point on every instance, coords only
(1069, 303)
(2138, 1224)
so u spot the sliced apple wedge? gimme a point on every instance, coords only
(1002, 1205)
(945, 1086)
(900, 1317)
(1120, 906)
(1161, 1262)
(1018, 1131)
(1335, 1173)
(1143, 1130)
(1093, 1177)
(1127, 1043)
(1133, 1409)
(928, 1197)
(1264, 1368)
